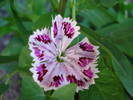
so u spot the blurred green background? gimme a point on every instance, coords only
(107, 23)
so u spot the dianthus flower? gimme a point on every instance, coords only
(56, 65)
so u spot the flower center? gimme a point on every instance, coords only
(59, 58)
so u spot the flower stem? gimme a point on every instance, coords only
(76, 97)
(62, 6)
(74, 9)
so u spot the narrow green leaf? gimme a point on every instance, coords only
(5, 29)
(98, 16)
(39, 6)
(21, 27)
(55, 4)
(76, 40)
(109, 3)
(119, 31)
(6, 59)
(124, 71)
(67, 11)
(87, 4)
(121, 34)
(43, 21)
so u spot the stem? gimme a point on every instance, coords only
(62, 6)
(74, 9)
(126, 11)
(76, 97)
(48, 94)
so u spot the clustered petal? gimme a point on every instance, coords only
(56, 65)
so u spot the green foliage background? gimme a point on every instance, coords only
(106, 23)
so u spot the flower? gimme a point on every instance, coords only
(56, 65)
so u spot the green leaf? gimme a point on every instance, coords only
(3, 88)
(124, 71)
(5, 29)
(55, 4)
(38, 6)
(65, 93)
(121, 65)
(21, 27)
(92, 94)
(30, 90)
(109, 3)
(24, 7)
(107, 87)
(121, 34)
(87, 4)
(67, 10)
(76, 40)
(25, 59)
(6, 59)
(44, 21)
(98, 15)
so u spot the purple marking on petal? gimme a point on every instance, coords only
(41, 71)
(38, 53)
(88, 73)
(68, 29)
(43, 38)
(57, 81)
(83, 61)
(71, 79)
(80, 83)
(86, 47)
(55, 30)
